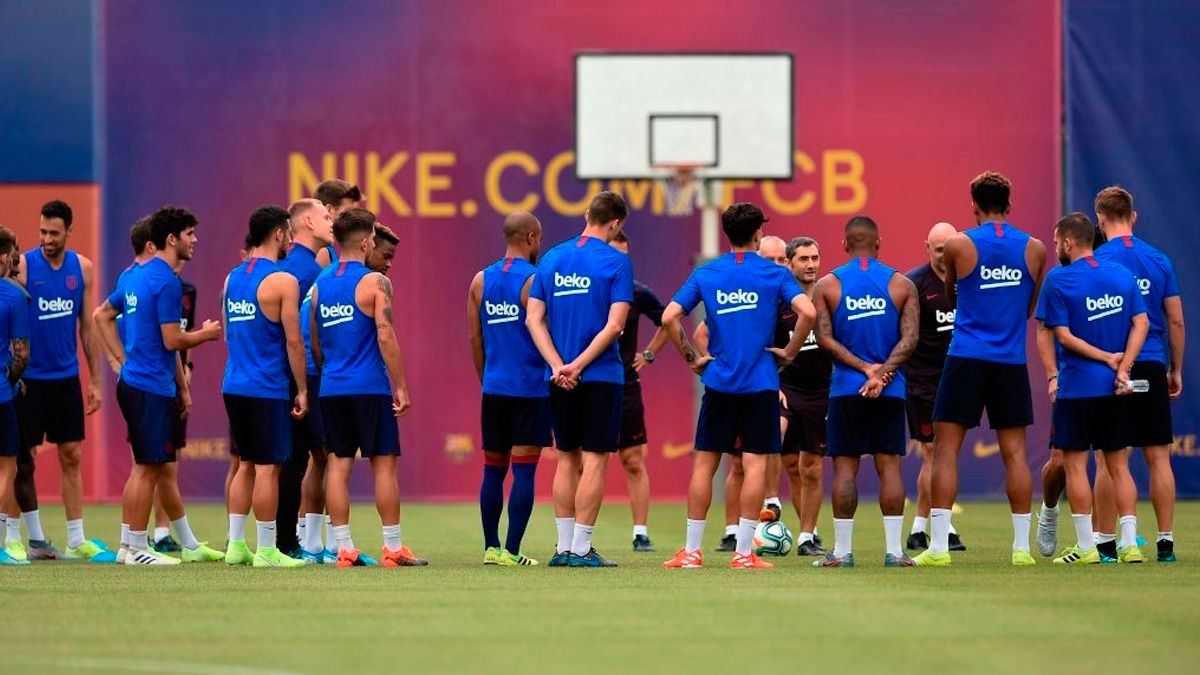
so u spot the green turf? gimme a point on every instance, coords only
(457, 616)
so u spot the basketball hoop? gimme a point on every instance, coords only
(682, 189)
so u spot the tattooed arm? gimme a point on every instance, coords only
(385, 332)
(20, 357)
(672, 322)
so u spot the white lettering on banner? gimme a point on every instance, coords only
(1000, 276)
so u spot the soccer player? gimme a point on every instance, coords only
(52, 407)
(578, 305)
(14, 355)
(631, 446)
(923, 371)
(993, 271)
(805, 386)
(515, 412)
(311, 231)
(151, 376)
(1096, 312)
(363, 389)
(1160, 363)
(384, 252)
(23, 488)
(741, 292)
(337, 196)
(867, 320)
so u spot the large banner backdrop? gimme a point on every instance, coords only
(450, 114)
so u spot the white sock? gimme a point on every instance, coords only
(75, 533)
(313, 522)
(843, 536)
(13, 528)
(1049, 513)
(1165, 536)
(330, 535)
(951, 525)
(939, 526)
(919, 525)
(1020, 523)
(300, 530)
(581, 539)
(1128, 525)
(33, 524)
(773, 501)
(1083, 531)
(745, 535)
(1102, 538)
(641, 530)
(184, 530)
(237, 527)
(137, 540)
(341, 535)
(892, 526)
(730, 529)
(695, 534)
(805, 536)
(4, 528)
(161, 533)
(391, 537)
(815, 532)
(266, 533)
(566, 530)
(125, 535)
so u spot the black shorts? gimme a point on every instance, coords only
(308, 433)
(866, 426)
(805, 416)
(918, 408)
(1098, 423)
(365, 422)
(726, 419)
(1150, 412)
(633, 417)
(508, 421)
(261, 428)
(10, 436)
(148, 417)
(178, 426)
(588, 417)
(970, 386)
(51, 410)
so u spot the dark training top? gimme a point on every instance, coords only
(647, 304)
(924, 367)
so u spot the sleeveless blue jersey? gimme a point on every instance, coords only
(353, 363)
(993, 300)
(512, 365)
(257, 364)
(1156, 282)
(57, 300)
(14, 325)
(867, 323)
(310, 366)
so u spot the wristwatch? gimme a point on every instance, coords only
(648, 355)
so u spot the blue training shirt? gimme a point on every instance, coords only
(1156, 282)
(152, 297)
(993, 300)
(1097, 301)
(867, 322)
(57, 300)
(579, 280)
(257, 364)
(14, 325)
(301, 262)
(741, 293)
(310, 366)
(353, 363)
(512, 365)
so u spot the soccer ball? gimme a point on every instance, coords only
(772, 539)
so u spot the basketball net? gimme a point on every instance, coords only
(684, 192)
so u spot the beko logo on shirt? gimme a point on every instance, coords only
(1143, 286)
(736, 301)
(945, 320)
(867, 305)
(240, 310)
(336, 314)
(55, 308)
(810, 342)
(1000, 277)
(503, 311)
(130, 303)
(571, 284)
(1105, 305)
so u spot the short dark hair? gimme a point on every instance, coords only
(606, 207)
(385, 233)
(351, 222)
(8, 241)
(800, 242)
(990, 191)
(1116, 203)
(264, 221)
(58, 209)
(740, 221)
(139, 235)
(621, 237)
(170, 220)
(332, 192)
(1077, 227)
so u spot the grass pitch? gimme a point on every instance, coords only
(457, 616)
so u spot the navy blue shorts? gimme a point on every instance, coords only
(308, 433)
(149, 418)
(51, 410)
(860, 426)
(805, 416)
(918, 407)
(509, 421)
(363, 422)
(725, 418)
(1150, 412)
(261, 428)
(588, 417)
(971, 386)
(10, 436)
(1098, 423)
(633, 416)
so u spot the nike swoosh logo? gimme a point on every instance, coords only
(986, 449)
(931, 297)
(676, 450)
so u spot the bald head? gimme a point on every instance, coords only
(523, 234)
(774, 249)
(935, 246)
